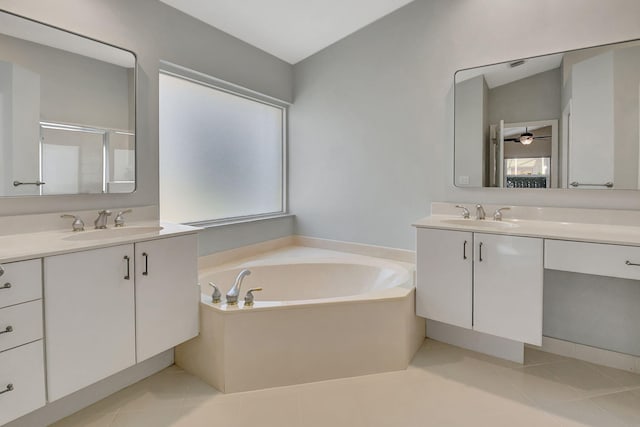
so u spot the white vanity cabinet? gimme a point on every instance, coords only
(22, 380)
(486, 282)
(445, 269)
(507, 287)
(89, 317)
(108, 309)
(167, 295)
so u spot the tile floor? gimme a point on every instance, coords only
(444, 386)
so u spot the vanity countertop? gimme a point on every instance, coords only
(18, 247)
(558, 230)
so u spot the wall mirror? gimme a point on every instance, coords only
(67, 112)
(566, 120)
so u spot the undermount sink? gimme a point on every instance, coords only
(112, 233)
(484, 223)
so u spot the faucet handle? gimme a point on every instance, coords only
(77, 225)
(248, 299)
(465, 211)
(216, 295)
(497, 215)
(119, 219)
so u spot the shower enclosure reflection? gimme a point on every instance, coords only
(567, 120)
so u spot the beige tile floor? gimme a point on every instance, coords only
(444, 386)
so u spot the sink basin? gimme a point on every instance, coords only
(485, 223)
(111, 233)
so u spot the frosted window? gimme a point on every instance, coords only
(220, 154)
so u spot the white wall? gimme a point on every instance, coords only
(154, 31)
(372, 129)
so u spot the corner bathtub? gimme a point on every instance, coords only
(321, 315)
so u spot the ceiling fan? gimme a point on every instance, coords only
(526, 138)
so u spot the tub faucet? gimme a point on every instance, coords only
(232, 295)
(480, 214)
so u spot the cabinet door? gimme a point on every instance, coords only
(507, 281)
(444, 272)
(167, 294)
(89, 317)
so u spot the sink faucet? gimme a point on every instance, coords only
(101, 221)
(232, 295)
(480, 212)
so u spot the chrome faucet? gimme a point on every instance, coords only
(101, 221)
(480, 214)
(232, 295)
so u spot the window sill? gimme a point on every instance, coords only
(242, 220)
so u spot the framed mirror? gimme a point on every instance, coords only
(67, 112)
(565, 120)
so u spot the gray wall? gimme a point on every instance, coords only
(372, 130)
(153, 31)
(527, 100)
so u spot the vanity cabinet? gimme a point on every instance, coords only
(486, 282)
(108, 309)
(89, 317)
(167, 295)
(22, 379)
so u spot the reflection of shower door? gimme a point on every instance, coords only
(496, 155)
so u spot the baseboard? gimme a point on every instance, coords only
(476, 341)
(68, 405)
(590, 354)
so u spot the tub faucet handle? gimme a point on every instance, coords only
(216, 295)
(248, 299)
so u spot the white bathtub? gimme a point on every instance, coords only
(321, 315)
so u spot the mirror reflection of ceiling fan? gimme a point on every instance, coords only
(526, 138)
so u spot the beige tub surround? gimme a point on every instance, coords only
(480, 281)
(322, 315)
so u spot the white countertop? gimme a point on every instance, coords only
(558, 230)
(17, 247)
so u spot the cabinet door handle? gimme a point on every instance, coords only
(6, 286)
(127, 276)
(480, 252)
(146, 264)
(1, 270)
(7, 389)
(631, 263)
(7, 330)
(464, 250)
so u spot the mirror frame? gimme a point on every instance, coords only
(135, 110)
(455, 184)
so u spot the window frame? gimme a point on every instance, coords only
(178, 71)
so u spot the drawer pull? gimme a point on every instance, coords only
(631, 263)
(7, 330)
(1, 270)
(8, 389)
(6, 286)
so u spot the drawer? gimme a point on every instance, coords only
(24, 322)
(23, 368)
(592, 258)
(20, 282)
